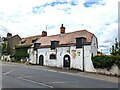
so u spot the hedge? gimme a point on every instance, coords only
(106, 61)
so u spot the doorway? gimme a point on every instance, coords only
(66, 61)
(41, 60)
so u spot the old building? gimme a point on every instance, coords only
(27, 42)
(65, 50)
(9, 43)
(12, 42)
(8, 46)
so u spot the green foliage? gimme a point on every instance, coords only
(106, 61)
(21, 52)
(115, 50)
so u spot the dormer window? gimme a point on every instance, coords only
(23, 41)
(34, 40)
(36, 46)
(54, 44)
(80, 42)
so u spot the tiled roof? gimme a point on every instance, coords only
(67, 38)
(28, 40)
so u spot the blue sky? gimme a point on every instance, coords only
(30, 17)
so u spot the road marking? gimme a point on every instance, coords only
(35, 82)
(9, 72)
(57, 82)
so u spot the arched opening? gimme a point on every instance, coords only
(66, 61)
(41, 60)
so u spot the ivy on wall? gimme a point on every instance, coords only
(106, 61)
(21, 52)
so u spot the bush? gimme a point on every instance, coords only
(106, 61)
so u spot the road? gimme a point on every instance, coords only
(22, 76)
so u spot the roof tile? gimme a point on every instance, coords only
(67, 38)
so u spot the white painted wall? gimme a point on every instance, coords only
(76, 58)
(88, 51)
(60, 52)
(44, 52)
(32, 55)
(87, 59)
(113, 71)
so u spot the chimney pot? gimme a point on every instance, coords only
(62, 29)
(44, 33)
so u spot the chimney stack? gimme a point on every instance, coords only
(9, 35)
(62, 29)
(44, 33)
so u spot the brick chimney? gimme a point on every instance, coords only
(9, 35)
(44, 33)
(62, 29)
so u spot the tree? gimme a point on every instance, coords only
(115, 50)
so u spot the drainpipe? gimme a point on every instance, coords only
(83, 58)
(36, 56)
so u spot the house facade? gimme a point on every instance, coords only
(10, 42)
(65, 50)
(25, 44)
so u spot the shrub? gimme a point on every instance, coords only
(106, 61)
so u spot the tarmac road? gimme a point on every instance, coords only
(22, 76)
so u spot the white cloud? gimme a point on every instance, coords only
(100, 19)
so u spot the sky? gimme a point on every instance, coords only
(31, 17)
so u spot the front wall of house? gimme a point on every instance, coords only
(44, 52)
(76, 57)
(32, 55)
(60, 52)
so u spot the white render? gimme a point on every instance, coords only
(76, 56)
(32, 55)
